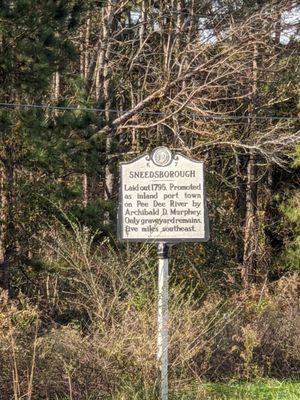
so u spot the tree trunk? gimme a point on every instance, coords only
(85, 194)
(107, 96)
(240, 203)
(142, 29)
(84, 64)
(251, 228)
(56, 86)
(3, 209)
(7, 223)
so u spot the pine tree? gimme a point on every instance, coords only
(34, 45)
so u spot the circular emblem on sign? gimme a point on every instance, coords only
(161, 156)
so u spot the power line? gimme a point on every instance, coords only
(75, 108)
(157, 113)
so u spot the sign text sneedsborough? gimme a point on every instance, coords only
(162, 199)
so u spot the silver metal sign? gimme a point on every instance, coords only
(163, 199)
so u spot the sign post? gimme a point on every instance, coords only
(163, 200)
(162, 317)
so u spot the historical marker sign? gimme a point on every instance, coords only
(162, 199)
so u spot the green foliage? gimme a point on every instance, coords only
(35, 43)
(260, 390)
(291, 210)
(93, 217)
(296, 163)
(45, 146)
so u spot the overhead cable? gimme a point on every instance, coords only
(157, 113)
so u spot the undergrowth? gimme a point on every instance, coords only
(87, 329)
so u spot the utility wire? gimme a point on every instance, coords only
(162, 114)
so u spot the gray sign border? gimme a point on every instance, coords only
(160, 240)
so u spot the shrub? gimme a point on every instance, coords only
(92, 331)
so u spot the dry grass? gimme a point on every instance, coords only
(91, 331)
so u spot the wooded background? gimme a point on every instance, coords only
(86, 84)
(106, 81)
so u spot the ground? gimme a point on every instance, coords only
(265, 390)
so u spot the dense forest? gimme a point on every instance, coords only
(88, 84)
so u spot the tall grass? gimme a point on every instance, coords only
(88, 330)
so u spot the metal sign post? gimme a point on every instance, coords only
(162, 200)
(162, 318)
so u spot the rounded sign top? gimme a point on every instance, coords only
(161, 156)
